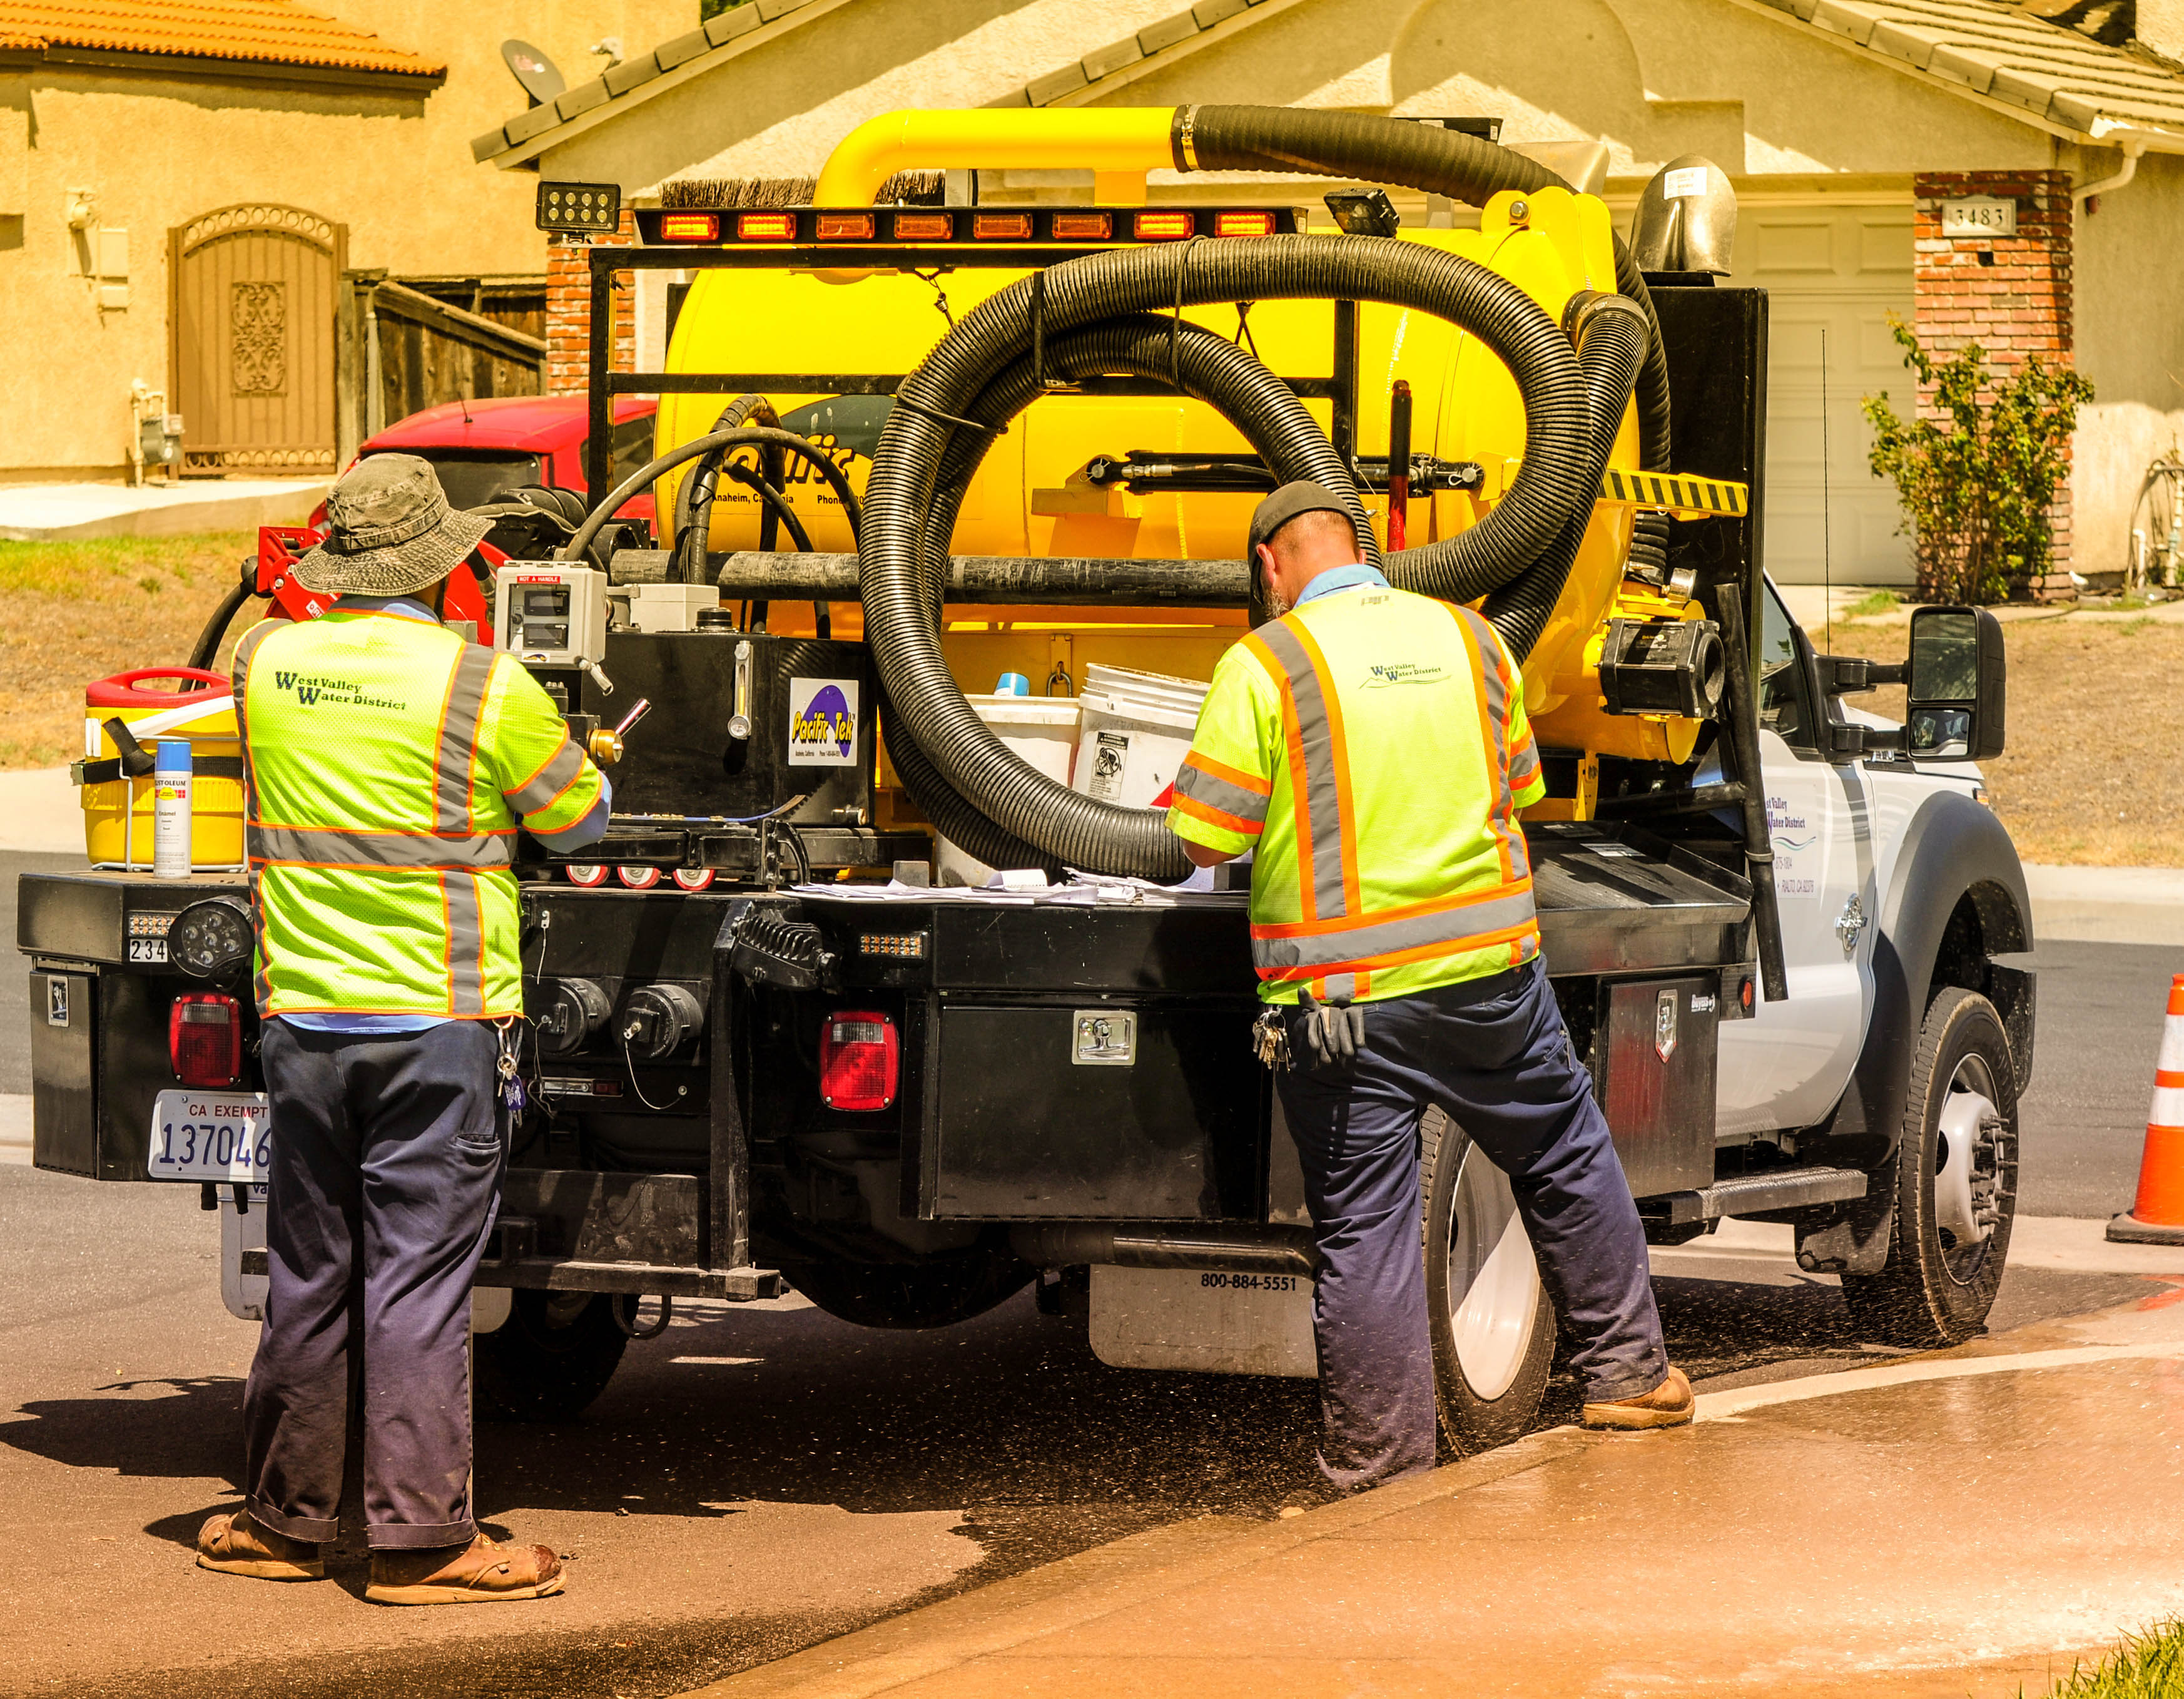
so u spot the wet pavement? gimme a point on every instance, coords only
(753, 1483)
(1948, 1524)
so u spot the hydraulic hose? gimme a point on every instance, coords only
(693, 499)
(753, 436)
(215, 629)
(1413, 155)
(981, 374)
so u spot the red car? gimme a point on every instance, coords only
(482, 449)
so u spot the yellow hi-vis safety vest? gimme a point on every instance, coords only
(386, 764)
(1372, 746)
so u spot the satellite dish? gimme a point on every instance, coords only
(533, 70)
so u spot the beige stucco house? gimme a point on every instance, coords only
(180, 184)
(1844, 125)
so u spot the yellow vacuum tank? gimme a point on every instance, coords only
(1030, 496)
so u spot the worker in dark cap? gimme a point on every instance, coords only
(1370, 747)
(387, 763)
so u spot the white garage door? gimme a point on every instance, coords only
(1834, 274)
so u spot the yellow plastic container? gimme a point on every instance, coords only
(117, 815)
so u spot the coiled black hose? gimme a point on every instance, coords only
(977, 377)
(1611, 340)
(1086, 832)
(1411, 155)
(753, 436)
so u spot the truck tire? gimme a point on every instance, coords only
(1493, 1325)
(1954, 1174)
(911, 1294)
(555, 1355)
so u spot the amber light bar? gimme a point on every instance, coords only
(1084, 226)
(925, 226)
(845, 226)
(1000, 227)
(1243, 224)
(1163, 227)
(766, 226)
(690, 227)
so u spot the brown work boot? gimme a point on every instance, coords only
(1670, 1405)
(234, 1545)
(478, 1574)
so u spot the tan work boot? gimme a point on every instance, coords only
(1670, 1405)
(234, 1545)
(479, 1573)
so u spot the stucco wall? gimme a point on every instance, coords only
(2131, 343)
(397, 171)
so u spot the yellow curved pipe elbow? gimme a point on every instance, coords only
(1122, 141)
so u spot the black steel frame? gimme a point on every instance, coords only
(603, 384)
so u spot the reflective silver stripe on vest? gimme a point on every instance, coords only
(465, 943)
(1497, 747)
(559, 773)
(239, 682)
(1450, 926)
(458, 730)
(1202, 786)
(1323, 799)
(327, 846)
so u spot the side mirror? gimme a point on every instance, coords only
(1955, 685)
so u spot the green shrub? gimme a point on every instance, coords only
(1977, 480)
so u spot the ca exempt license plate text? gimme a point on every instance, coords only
(222, 1136)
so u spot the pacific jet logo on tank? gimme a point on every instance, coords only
(822, 722)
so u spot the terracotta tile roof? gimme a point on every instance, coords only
(268, 31)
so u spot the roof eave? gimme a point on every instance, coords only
(2103, 132)
(204, 67)
(771, 29)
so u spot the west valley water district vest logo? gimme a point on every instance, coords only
(822, 722)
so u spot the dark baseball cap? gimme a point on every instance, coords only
(1291, 501)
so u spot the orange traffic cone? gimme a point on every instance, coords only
(2157, 1216)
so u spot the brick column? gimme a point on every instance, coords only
(568, 312)
(2009, 294)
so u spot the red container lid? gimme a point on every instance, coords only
(129, 690)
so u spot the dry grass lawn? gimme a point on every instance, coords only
(2094, 774)
(76, 611)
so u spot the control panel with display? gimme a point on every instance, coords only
(551, 613)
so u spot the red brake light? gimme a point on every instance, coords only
(1084, 226)
(204, 1038)
(766, 226)
(1163, 227)
(1000, 227)
(859, 1060)
(1244, 223)
(690, 227)
(925, 226)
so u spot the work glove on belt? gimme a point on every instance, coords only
(1335, 1030)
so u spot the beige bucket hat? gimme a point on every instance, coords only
(390, 532)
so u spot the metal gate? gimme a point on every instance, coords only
(251, 338)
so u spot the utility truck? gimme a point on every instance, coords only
(906, 449)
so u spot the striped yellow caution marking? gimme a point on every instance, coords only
(1677, 493)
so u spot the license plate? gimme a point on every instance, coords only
(222, 1136)
(148, 949)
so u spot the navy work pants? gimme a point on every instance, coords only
(1493, 1054)
(386, 1175)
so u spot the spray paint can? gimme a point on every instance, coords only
(171, 809)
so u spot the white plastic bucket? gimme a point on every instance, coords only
(1129, 752)
(1042, 730)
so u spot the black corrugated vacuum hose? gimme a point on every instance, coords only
(976, 378)
(1411, 155)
